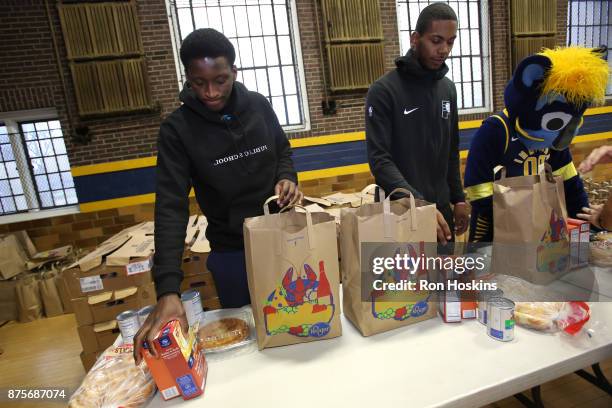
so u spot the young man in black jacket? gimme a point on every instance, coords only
(412, 128)
(226, 143)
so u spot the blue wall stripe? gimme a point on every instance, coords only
(105, 186)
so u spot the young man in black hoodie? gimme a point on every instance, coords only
(226, 143)
(412, 128)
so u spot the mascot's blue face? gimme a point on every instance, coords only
(542, 121)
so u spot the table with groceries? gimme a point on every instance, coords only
(330, 324)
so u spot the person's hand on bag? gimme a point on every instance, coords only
(168, 307)
(602, 154)
(443, 231)
(462, 217)
(288, 193)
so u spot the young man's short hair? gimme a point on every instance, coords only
(433, 12)
(206, 42)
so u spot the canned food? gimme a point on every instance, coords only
(192, 303)
(128, 325)
(500, 318)
(144, 313)
(482, 303)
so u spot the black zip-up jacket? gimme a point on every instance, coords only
(232, 159)
(412, 132)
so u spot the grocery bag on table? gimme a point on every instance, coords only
(530, 238)
(406, 226)
(292, 270)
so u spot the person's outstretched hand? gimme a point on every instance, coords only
(168, 307)
(602, 154)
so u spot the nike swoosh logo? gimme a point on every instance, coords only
(514, 139)
(408, 112)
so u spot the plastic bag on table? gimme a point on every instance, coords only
(568, 317)
(115, 381)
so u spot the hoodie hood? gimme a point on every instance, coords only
(410, 65)
(237, 104)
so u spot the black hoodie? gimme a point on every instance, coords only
(232, 159)
(412, 132)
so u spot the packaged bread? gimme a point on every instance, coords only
(115, 381)
(552, 316)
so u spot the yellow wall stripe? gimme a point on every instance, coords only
(332, 172)
(117, 202)
(328, 139)
(598, 111)
(114, 166)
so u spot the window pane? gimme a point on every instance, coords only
(11, 169)
(16, 186)
(8, 204)
(271, 50)
(71, 196)
(59, 146)
(3, 174)
(46, 199)
(42, 183)
(282, 25)
(40, 126)
(260, 54)
(63, 163)
(55, 124)
(262, 81)
(33, 149)
(5, 188)
(289, 80)
(38, 166)
(7, 152)
(50, 164)
(278, 104)
(284, 45)
(21, 202)
(67, 179)
(254, 20)
(248, 78)
(55, 181)
(275, 81)
(59, 198)
(293, 109)
(46, 147)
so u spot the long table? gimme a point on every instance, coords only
(429, 364)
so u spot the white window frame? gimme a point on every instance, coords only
(11, 120)
(295, 37)
(486, 57)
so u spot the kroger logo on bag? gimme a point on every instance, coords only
(319, 330)
(419, 309)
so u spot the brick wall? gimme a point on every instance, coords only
(30, 79)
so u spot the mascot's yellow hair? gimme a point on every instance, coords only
(577, 73)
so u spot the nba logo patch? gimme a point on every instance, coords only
(446, 108)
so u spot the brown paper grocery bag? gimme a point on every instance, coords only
(530, 238)
(49, 294)
(292, 270)
(407, 223)
(28, 299)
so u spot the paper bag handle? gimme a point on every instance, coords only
(370, 187)
(387, 210)
(546, 173)
(498, 169)
(309, 225)
(266, 207)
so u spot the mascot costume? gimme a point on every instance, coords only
(545, 103)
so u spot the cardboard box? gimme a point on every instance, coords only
(98, 337)
(211, 304)
(183, 359)
(107, 305)
(101, 279)
(13, 258)
(203, 283)
(89, 359)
